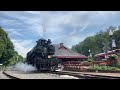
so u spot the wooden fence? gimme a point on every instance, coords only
(82, 66)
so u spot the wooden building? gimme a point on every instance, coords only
(65, 54)
(102, 56)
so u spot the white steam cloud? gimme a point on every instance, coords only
(24, 67)
(61, 67)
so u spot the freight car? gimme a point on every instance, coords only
(42, 56)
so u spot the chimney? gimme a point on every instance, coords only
(61, 44)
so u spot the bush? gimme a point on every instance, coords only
(90, 60)
(16, 58)
(113, 56)
(95, 67)
(118, 64)
(115, 69)
(107, 68)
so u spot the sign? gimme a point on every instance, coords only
(106, 47)
(113, 43)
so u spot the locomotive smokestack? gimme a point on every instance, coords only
(61, 44)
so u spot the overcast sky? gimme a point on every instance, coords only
(69, 27)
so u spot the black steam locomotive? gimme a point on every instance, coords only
(41, 56)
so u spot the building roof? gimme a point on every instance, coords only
(65, 52)
(109, 52)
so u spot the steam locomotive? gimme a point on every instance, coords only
(42, 56)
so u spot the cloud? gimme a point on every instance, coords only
(13, 32)
(69, 27)
(23, 46)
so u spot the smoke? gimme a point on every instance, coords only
(61, 67)
(24, 67)
(44, 29)
(44, 23)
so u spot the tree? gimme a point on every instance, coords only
(95, 43)
(7, 52)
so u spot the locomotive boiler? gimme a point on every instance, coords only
(42, 56)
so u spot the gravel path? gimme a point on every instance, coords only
(2, 76)
(22, 75)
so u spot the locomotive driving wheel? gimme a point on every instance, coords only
(52, 68)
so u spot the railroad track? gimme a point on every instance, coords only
(85, 76)
(75, 74)
(9, 76)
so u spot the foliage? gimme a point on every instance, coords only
(107, 68)
(113, 56)
(7, 53)
(90, 59)
(85, 61)
(118, 64)
(95, 43)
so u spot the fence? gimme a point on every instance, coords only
(82, 66)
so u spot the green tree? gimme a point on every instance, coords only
(95, 43)
(7, 52)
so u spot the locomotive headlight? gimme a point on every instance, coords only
(49, 56)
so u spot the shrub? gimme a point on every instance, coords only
(118, 64)
(107, 68)
(113, 56)
(115, 69)
(90, 60)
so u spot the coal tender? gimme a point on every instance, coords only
(42, 56)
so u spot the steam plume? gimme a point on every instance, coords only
(24, 67)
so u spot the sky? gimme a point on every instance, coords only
(69, 27)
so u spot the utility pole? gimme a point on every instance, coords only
(106, 48)
(90, 54)
(113, 44)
